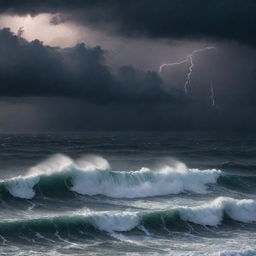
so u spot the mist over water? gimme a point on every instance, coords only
(128, 193)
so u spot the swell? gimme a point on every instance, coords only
(60, 175)
(94, 177)
(238, 183)
(217, 212)
(239, 167)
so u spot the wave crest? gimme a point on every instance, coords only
(143, 183)
(210, 214)
(92, 175)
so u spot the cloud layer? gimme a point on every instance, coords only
(225, 20)
(33, 69)
(72, 88)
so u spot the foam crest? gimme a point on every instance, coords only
(91, 175)
(22, 187)
(115, 221)
(54, 164)
(92, 163)
(212, 214)
(143, 183)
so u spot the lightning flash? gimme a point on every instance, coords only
(188, 59)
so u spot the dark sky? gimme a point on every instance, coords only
(54, 88)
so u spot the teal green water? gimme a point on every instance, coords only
(128, 194)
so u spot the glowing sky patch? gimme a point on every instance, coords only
(39, 27)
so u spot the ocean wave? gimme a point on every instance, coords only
(237, 166)
(143, 183)
(91, 175)
(238, 182)
(210, 214)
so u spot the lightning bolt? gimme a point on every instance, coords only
(212, 95)
(188, 59)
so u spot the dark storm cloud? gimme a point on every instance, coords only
(221, 19)
(92, 96)
(32, 69)
(73, 89)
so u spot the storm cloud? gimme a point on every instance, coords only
(74, 89)
(33, 69)
(195, 19)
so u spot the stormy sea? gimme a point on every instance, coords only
(184, 194)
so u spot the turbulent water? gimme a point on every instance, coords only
(128, 194)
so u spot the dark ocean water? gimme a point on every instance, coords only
(128, 194)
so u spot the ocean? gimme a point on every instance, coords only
(128, 193)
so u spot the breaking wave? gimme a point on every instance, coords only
(92, 175)
(210, 214)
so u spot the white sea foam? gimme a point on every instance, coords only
(123, 238)
(54, 164)
(209, 214)
(22, 186)
(212, 213)
(115, 221)
(143, 183)
(92, 163)
(91, 175)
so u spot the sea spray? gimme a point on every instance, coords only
(211, 214)
(92, 175)
(208, 214)
(22, 186)
(143, 183)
